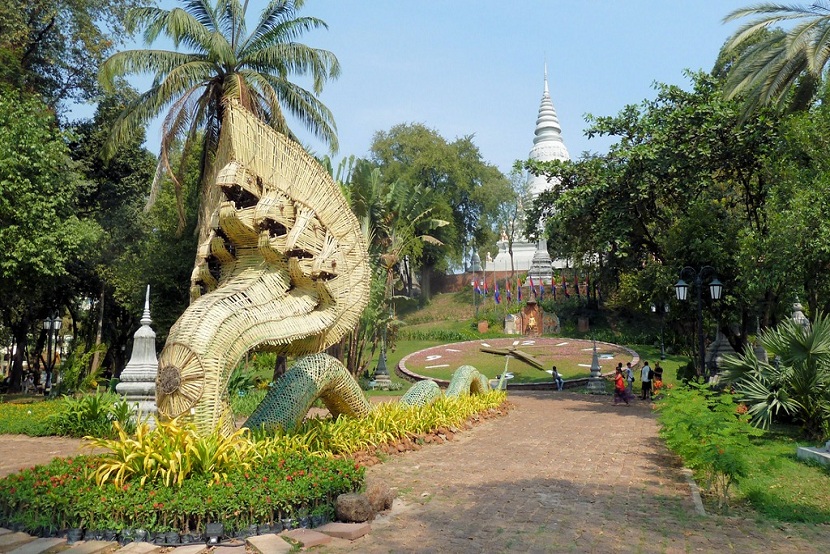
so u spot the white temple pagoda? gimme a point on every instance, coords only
(547, 146)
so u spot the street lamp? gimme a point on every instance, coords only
(663, 311)
(681, 288)
(51, 325)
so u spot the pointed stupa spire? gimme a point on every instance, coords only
(547, 142)
(145, 318)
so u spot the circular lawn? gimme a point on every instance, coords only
(572, 358)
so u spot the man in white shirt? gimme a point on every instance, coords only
(629, 377)
(645, 379)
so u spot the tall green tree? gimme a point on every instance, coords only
(40, 232)
(687, 184)
(468, 188)
(54, 47)
(773, 66)
(114, 192)
(223, 62)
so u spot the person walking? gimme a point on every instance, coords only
(629, 376)
(645, 378)
(620, 391)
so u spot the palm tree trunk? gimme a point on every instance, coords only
(99, 332)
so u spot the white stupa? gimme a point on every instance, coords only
(547, 146)
(138, 379)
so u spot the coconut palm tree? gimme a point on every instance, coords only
(798, 385)
(775, 66)
(221, 61)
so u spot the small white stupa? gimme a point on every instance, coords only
(138, 380)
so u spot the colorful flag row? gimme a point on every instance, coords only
(480, 287)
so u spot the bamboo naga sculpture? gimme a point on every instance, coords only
(282, 266)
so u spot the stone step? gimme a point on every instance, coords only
(4, 531)
(91, 547)
(189, 549)
(350, 531)
(269, 544)
(306, 537)
(10, 541)
(140, 548)
(39, 546)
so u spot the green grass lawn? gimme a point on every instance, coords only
(781, 487)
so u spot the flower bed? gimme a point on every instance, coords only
(62, 495)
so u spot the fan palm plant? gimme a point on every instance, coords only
(223, 62)
(775, 66)
(798, 384)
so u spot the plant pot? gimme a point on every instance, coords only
(264, 529)
(74, 535)
(126, 536)
(94, 535)
(317, 520)
(110, 535)
(288, 523)
(141, 535)
(276, 527)
(305, 522)
(172, 538)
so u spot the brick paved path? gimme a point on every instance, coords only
(564, 472)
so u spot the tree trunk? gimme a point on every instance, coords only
(99, 332)
(426, 290)
(16, 377)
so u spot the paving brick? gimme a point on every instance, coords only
(139, 548)
(39, 546)
(269, 544)
(91, 547)
(350, 531)
(189, 549)
(306, 537)
(10, 541)
(237, 548)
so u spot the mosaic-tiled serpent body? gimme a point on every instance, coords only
(282, 266)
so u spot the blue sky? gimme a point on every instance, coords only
(468, 67)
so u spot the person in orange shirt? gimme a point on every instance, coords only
(620, 392)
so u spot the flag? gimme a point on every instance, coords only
(475, 287)
(507, 286)
(518, 290)
(541, 291)
(485, 286)
(576, 284)
(496, 295)
(553, 287)
(532, 288)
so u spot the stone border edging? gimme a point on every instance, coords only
(696, 500)
(402, 371)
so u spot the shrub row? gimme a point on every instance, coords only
(710, 432)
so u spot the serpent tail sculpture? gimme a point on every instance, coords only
(282, 266)
(321, 376)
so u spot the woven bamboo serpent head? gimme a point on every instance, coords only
(282, 265)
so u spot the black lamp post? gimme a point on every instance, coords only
(715, 290)
(51, 325)
(664, 309)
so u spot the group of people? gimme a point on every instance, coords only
(651, 381)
